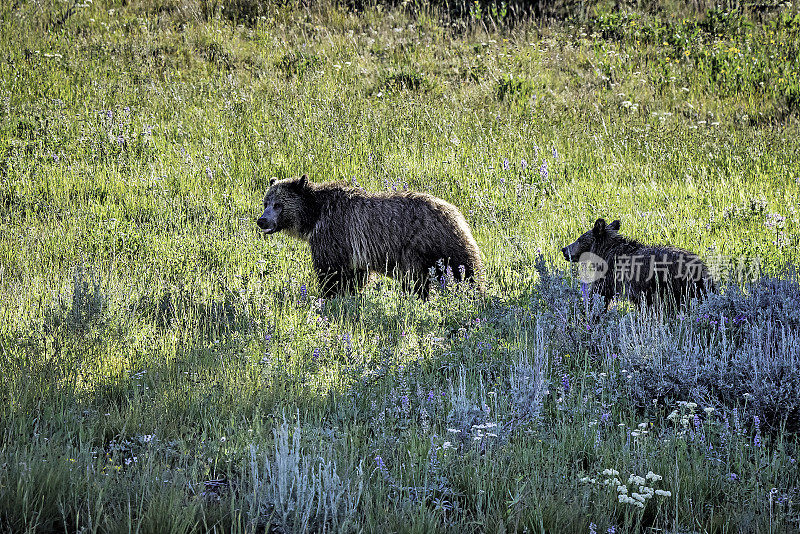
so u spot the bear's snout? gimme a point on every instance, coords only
(566, 253)
(265, 225)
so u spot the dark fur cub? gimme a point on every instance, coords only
(352, 232)
(643, 273)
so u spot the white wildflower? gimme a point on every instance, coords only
(636, 480)
(652, 476)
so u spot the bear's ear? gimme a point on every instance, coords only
(272, 180)
(615, 226)
(599, 227)
(303, 180)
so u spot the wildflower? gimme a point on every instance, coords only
(636, 480)
(506, 164)
(757, 438)
(646, 491)
(543, 170)
(663, 493)
(610, 472)
(405, 403)
(381, 466)
(652, 476)
(524, 164)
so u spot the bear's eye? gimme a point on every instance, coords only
(278, 206)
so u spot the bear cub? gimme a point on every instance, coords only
(352, 232)
(642, 273)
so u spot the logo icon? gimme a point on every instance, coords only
(591, 268)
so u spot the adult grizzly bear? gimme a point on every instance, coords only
(352, 232)
(643, 273)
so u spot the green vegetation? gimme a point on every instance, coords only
(166, 368)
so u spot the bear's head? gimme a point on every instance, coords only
(285, 206)
(591, 241)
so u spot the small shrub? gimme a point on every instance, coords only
(294, 64)
(514, 89)
(407, 80)
(297, 492)
(739, 347)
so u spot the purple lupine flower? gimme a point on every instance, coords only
(565, 383)
(315, 355)
(405, 403)
(592, 528)
(506, 164)
(524, 164)
(757, 424)
(543, 170)
(585, 293)
(381, 466)
(605, 418)
(555, 153)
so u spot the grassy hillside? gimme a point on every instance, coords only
(165, 367)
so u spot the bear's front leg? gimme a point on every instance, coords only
(419, 285)
(334, 283)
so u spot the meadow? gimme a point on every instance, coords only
(165, 367)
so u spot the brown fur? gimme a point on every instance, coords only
(352, 232)
(680, 274)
